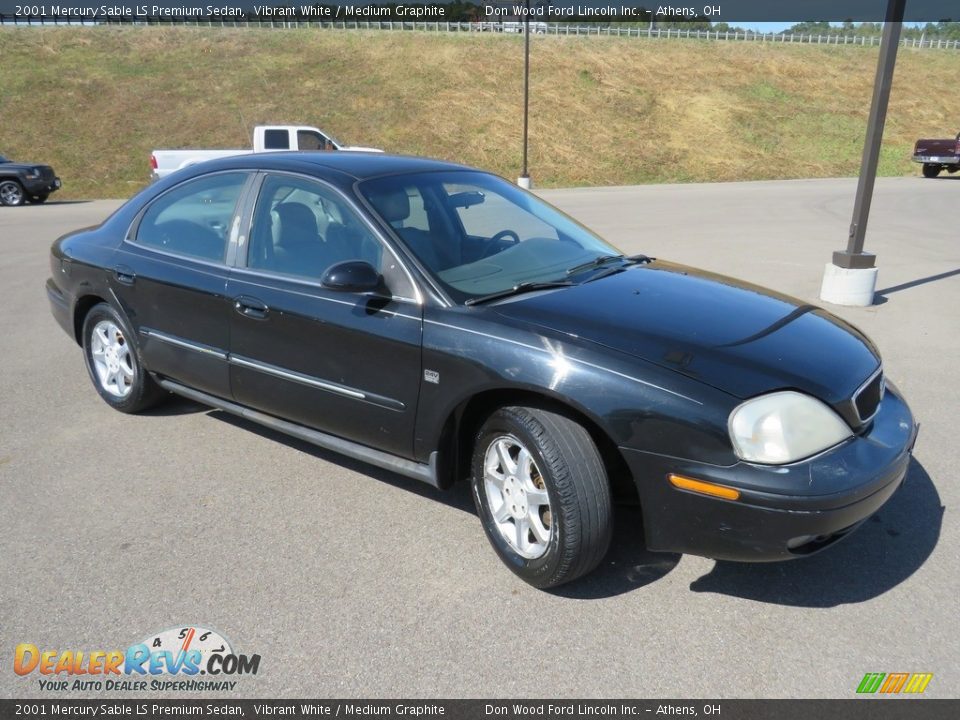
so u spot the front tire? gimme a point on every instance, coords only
(11, 193)
(542, 494)
(931, 170)
(113, 362)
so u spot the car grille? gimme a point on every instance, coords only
(46, 174)
(866, 401)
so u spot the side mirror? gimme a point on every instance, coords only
(352, 276)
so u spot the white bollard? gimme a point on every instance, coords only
(846, 286)
(524, 182)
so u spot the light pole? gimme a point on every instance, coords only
(524, 179)
(852, 276)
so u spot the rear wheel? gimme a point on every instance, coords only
(113, 361)
(11, 194)
(931, 170)
(542, 494)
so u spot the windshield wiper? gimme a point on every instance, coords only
(602, 260)
(518, 289)
(606, 272)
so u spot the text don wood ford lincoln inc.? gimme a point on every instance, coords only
(548, 12)
(172, 660)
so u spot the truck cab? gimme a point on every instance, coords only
(266, 138)
(271, 138)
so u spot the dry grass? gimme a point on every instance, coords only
(94, 102)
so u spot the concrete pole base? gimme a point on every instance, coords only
(524, 182)
(844, 286)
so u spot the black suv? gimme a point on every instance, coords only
(20, 182)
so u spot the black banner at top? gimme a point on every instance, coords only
(497, 709)
(714, 11)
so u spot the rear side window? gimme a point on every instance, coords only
(276, 140)
(194, 218)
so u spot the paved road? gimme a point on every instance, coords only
(349, 581)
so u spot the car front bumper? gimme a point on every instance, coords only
(785, 511)
(41, 186)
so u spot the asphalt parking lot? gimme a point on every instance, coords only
(349, 581)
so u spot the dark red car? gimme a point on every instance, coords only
(938, 155)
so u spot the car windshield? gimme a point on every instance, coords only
(479, 234)
(3, 159)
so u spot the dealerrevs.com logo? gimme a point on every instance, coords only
(185, 654)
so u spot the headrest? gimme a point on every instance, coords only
(393, 206)
(298, 224)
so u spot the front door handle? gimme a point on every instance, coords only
(251, 307)
(125, 274)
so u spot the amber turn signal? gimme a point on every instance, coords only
(705, 488)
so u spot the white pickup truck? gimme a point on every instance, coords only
(266, 138)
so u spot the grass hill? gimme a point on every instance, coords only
(93, 102)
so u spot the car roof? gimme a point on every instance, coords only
(355, 164)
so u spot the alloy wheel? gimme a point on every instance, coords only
(111, 357)
(11, 194)
(517, 497)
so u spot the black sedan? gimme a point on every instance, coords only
(438, 321)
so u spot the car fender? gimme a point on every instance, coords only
(635, 404)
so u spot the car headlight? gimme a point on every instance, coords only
(784, 427)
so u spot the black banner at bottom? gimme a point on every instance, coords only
(859, 709)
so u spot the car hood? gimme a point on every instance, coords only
(18, 166)
(738, 337)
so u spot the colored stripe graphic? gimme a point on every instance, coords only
(894, 682)
(918, 682)
(870, 682)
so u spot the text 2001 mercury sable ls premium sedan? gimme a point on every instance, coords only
(436, 320)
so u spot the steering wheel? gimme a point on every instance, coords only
(492, 246)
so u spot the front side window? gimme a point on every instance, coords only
(194, 218)
(302, 228)
(479, 234)
(311, 140)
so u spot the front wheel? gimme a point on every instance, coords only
(113, 362)
(542, 494)
(931, 170)
(11, 194)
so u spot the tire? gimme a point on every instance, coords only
(39, 199)
(113, 362)
(11, 193)
(931, 170)
(541, 472)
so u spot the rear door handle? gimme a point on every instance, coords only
(251, 307)
(125, 274)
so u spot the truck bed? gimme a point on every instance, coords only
(164, 162)
(936, 150)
